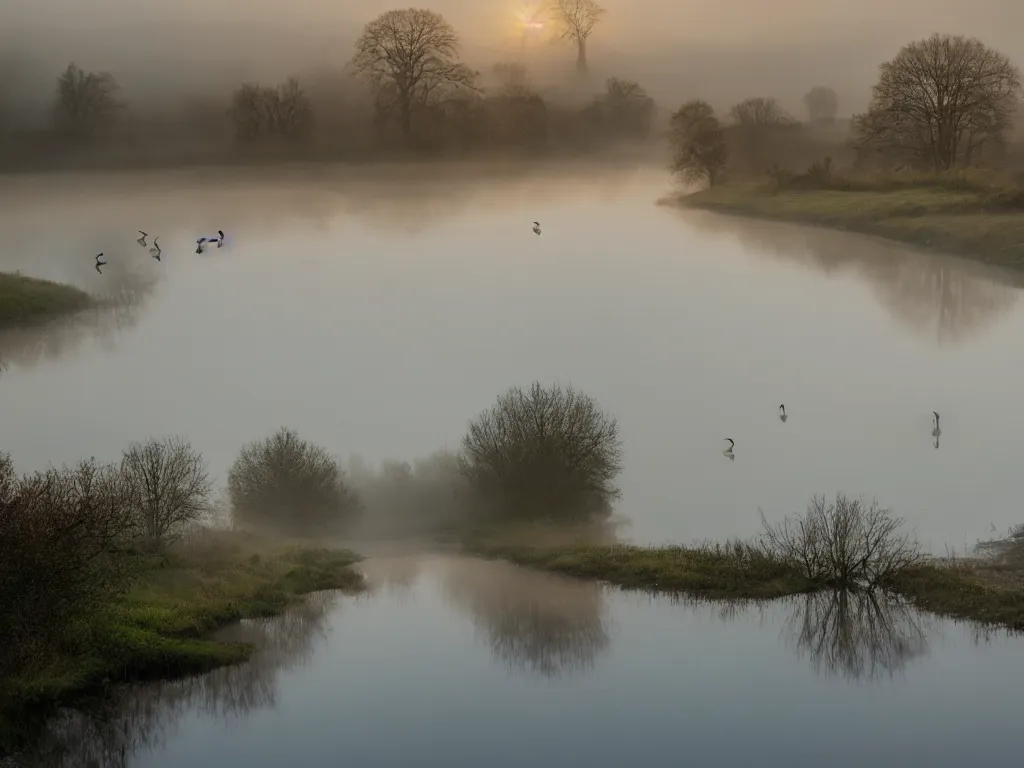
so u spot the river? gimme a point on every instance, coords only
(377, 311)
(463, 663)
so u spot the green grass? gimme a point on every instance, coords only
(26, 300)
(732, 570)
(981, 222)
(987, 591)
(159, 628)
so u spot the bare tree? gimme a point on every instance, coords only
(576, 19)
(624, 109)
(259, 113)
(248, 112)
(86, 103)
(822, 104)
(288, 484)
(410, 56)
(844, 543)
(548, 452)
(293, 111)
(757, 121)
(169, 487)
(940, 101)
(758, 111)
(699, 151)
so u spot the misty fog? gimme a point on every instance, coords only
(723, 52)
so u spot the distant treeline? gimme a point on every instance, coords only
(944, 103)
(405, 90)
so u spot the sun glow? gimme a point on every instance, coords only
(530, 17)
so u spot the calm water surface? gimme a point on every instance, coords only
(453, 662)
(376, 316)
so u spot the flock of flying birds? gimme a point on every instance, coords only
(156, 251)
(784, 417)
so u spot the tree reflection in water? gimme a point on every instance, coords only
(392, 575)
(144, 716)
(939, 296)
(546, 624)
(854, 634)
(857, 634)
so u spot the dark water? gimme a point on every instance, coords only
(377, 313)
(456, 662)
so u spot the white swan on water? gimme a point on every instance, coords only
(728, 451)
(782, 414)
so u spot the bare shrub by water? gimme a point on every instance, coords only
(169, 486)
(544, 453)
(843, 543)
(288, 484)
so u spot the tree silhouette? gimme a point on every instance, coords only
(576, 20)
(86, 103)
(939, 102)
(410, 58)
(699, 152)
(822, 104)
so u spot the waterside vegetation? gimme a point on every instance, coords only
(27, 300)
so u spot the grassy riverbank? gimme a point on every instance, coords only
(731, 570)
(987, 591)
(975, 220)
(31, 300)
(159, 629)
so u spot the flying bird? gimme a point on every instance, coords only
(155, 251)
(142, 240)
(536, 227)
(100, 263)
(782, 414)
(728, 451)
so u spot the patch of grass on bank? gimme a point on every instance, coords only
(970, 219)
(31, 300)
(982, 591)
(988, 591)
(731, 570)
(157, 629)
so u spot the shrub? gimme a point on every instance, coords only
(169, 487)
(290, 485)
(546, 453)
(846, 543)
(61, 535)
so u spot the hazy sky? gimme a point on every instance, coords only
(679, 49)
